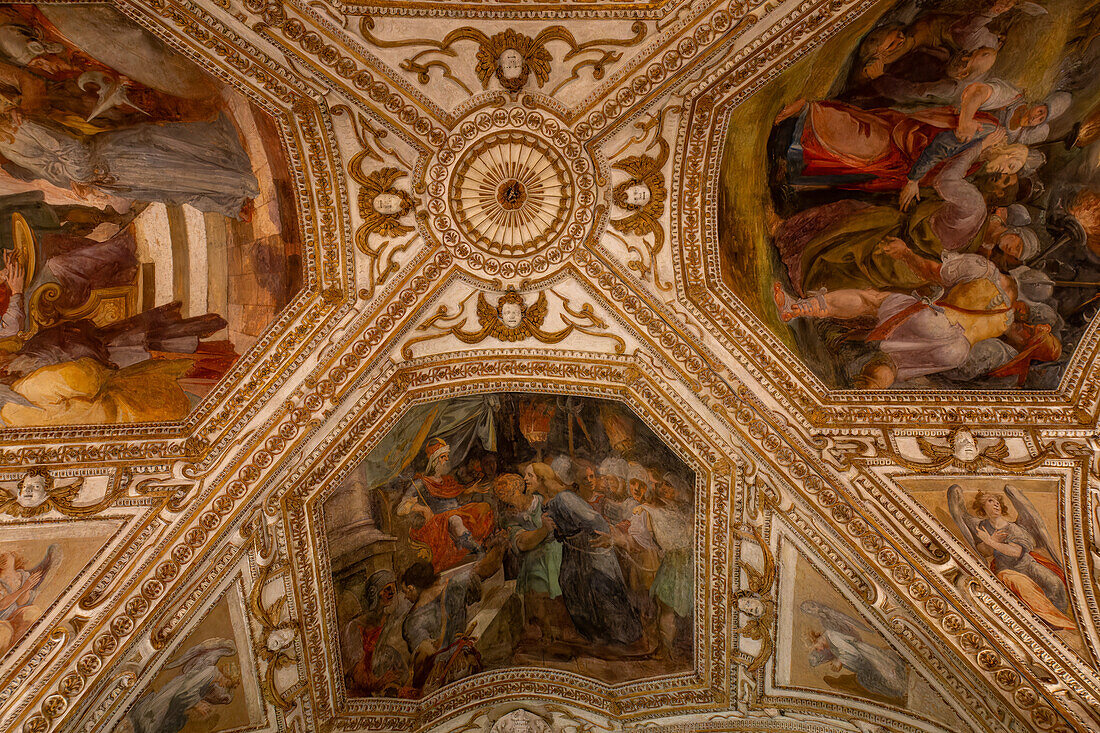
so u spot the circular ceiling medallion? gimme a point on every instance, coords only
(512, 192)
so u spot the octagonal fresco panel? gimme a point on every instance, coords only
(929, 182)
(512, 530)
(146, 220)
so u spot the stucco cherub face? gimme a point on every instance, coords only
(32, 491)
(280, 639)
(511, 314)
(511, 63)
(752, 606)
(388, 204)
(965, 447)
(637, 194)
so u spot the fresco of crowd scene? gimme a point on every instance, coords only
(514, 530)
(932, 179)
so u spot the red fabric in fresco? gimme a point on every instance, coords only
(478, 518)
(899, 138)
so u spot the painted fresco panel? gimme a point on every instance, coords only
(928, 185)
(147, 230)
(513, 530)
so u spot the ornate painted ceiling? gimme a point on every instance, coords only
(588, 365)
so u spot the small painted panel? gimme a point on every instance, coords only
(206, 685)
(826, 644)
(1012, 525)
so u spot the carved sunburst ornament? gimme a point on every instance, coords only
(511, 193)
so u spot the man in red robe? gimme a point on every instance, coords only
(452, 530)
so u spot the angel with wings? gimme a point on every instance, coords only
(1022, 553)
(877, 670)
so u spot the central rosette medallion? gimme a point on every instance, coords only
(512, 192)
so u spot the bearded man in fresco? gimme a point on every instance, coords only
(452, 530)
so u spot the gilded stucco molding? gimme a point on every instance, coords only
(672, 371)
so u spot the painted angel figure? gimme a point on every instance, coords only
(877, 670)
(204, 682)
(1022, 553)
(19, 587)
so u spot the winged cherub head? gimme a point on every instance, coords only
(382, 206)
(512, 57)
(512, 319)
(34, 488)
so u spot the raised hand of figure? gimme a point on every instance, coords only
(1002, 6)
(893, 247)
(966, 129)
(14, 272)
(995, 138)
(909, 194)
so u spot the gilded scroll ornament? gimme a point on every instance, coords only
(642, 195)
(276, 645)
(755, 601)
(511, 320)
(383, 206)
(510, 57)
